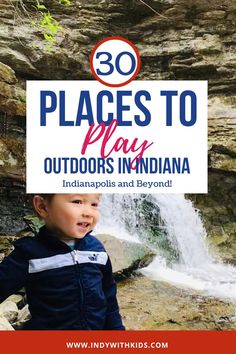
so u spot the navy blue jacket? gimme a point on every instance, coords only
(65, 289)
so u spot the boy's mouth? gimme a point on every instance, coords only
(83, 224)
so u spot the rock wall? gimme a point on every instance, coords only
(177, 40)
(191, 39)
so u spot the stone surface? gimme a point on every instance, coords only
(23, 316)
(7, 74)
(14, 205)
(9, 310)
(5, 325)
(187, 39)
(218, 212)
(222, 129)
(6, 244)
(12, 127)
(12, 95)
(33, 223)
(126, 256)
(150, 305)
(16, 298)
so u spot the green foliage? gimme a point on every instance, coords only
(49, 27)
(23, 98)
(65, 2)
(47, 24)
(34, 46)
(40, 7)
(33, 222)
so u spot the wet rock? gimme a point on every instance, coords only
(170, 22)
(7, 74)
(5, 325)
(23, 317)
(126, 256)
(218, 206)
(17, 299)
(33, 222)
(219, 213)
(12, 144)
(17, 60)
(213, 15)
(222, 158)
(9, 310)
(15, 204)
(6, 90)
(6, 244)
(12, 96)
(221, 123)
(8, 162)
(150, 305)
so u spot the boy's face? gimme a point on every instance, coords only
(72, 215)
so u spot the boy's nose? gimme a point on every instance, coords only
(87, 212)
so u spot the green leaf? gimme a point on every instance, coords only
(65, 2)
(41, 7)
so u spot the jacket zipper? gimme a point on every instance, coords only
(74, 254)
(76, 262)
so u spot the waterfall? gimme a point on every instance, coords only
(183, 256)
(184, 229)
(117, 213)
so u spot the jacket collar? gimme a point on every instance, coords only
(50, 238)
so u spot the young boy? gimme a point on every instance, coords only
(66, 271)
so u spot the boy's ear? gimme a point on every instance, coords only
(40, 206)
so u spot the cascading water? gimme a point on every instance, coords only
(184, 229)
(174, 228)
(116, 217)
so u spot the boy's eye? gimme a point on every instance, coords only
(77, 201)
(95, 205)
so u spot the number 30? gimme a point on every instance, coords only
(107, 62)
